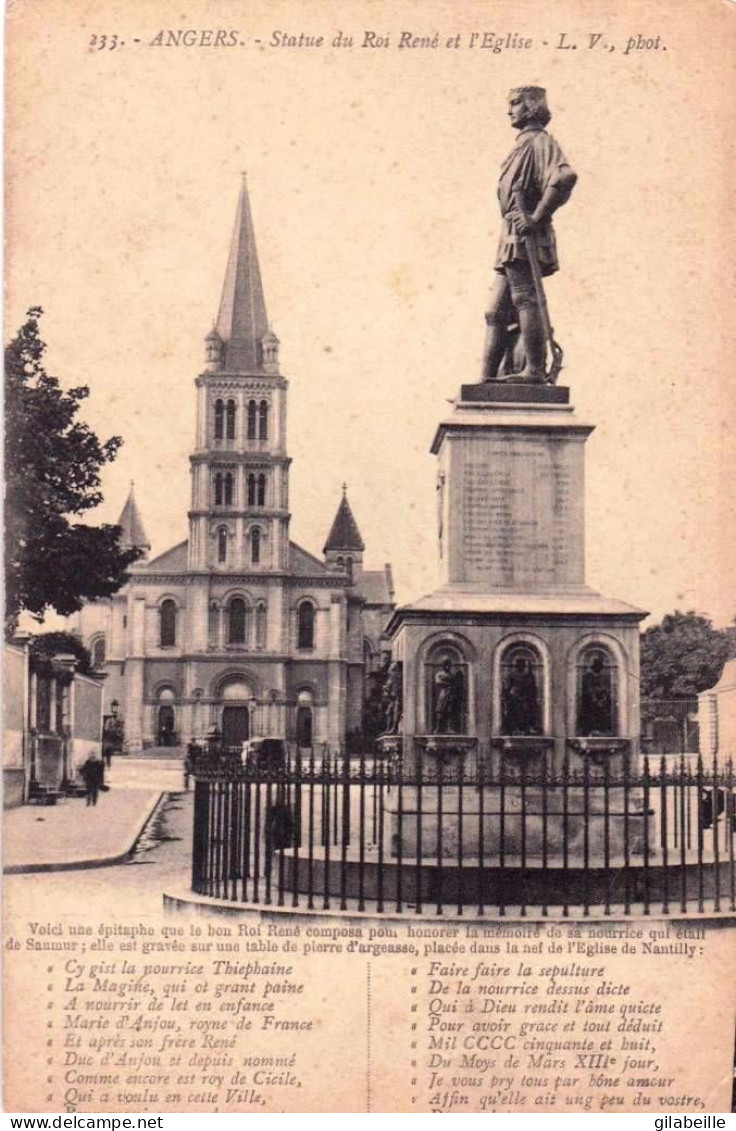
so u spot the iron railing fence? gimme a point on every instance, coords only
(610, 837)
(670, 726)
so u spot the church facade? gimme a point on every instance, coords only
(238, 627)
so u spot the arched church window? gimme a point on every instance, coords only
(521, 690)
(218, 489)
(98, 652)
(261, 625)
(230, 422)
(167, 623)
(228, 489)
(255, 545)
(219, 419)
(222, 544)
(263, 421)
(596, 693)
(252, 419)
(446, 690)
(237, 621)
(349, 569)
(368, 654)
(261, 490)
(305, 625)
(251, 490)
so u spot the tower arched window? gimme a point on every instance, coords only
(251, 490)
(305, 625)
(167, 623)
(349, 569)
(218, 489)
(219, 419)
(98, 652)
(252, 419)
(261, 490)
(255, 545)
(263, 421)
(237, 621)
(596, 693)
(230, 420)
(228, 489)
(522, 690)
(222, 544)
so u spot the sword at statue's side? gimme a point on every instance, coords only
(530, 245)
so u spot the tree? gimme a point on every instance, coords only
(682, 656)
(49, 644)
(52, 471)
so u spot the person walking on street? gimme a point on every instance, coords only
(92, 771)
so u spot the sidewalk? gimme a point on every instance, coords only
(71, 834)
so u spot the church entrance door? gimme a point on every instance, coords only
(304, 726)
(235, 726)
(166, 733)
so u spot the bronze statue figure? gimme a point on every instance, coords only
(393, 695)
(521, 714)
(596, 700)
(536, 179)
(449, 693)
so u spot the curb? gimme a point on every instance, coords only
(178, 900)
(92, 861)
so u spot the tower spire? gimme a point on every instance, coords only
(131, 524)
(344, 534)
(242, 322)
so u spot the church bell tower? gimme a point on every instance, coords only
(239, 516)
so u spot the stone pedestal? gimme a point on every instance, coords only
(511, 540)
(510, 483)
(438, 825)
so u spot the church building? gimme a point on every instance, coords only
(238, 627)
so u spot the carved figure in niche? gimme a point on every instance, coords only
(449, 687)
(596, 699)
(393, 692)
(374, 711)
(520, 713)
(536, 179)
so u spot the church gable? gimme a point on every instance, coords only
(304, 564)
(171, 561)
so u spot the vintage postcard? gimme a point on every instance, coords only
(369, 395)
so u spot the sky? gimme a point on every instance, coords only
(372, 175)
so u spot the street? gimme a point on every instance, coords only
(162, 857)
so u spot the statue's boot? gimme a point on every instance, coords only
(532, 335)
(494, 350)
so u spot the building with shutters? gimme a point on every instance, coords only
(238, 627)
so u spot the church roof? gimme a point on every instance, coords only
(174, 560)
(375, 586)
(302, 563)
(344, 534)
(242, 322)
(131, 524)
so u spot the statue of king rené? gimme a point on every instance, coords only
(536, 179)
